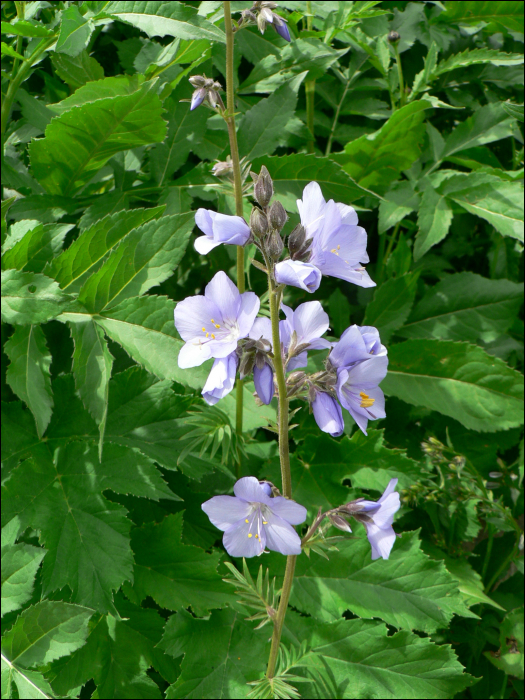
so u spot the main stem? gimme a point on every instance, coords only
(309, 88)
(237, 184)
(284, 456)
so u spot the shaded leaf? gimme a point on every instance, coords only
(20, 563)
(28, 297)
(391, 305)
(75, 32)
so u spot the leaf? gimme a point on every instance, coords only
(221, 654)
(29, 684)
(165, 19)
(513, 110)
(358, 658)
(458, 380)
(87, 253)
(469, 58)
(504, 15)
(375, 160)
(174, 574)
(391, 305)
(509, 658)
(117, 656)
(37, 247)
(291, 174)
(434, 219)
(77, 70)
(23, 27)
(30, 298)
(80, 141)
(398, 203)
(498, 201)
(28, 373)
(144, 327)
(92, 364)
(487, 124)
(87, 536)
(75, 32)
(145, 258)
(20, 563)
(465, 306)
(9, 51)
(261, 127)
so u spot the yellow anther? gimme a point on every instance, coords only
(338, 247)
(264, 522)
(212, 320)
(246, 521)
(207, 335)
(366, 401)
(217, 325)
(250, 534)
(203, 329)
(256, 537)
(213, 336)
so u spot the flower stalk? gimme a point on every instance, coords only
(309, 87)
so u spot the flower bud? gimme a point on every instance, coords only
(393, 37)
(267, 14)
(296, 377)
(303, 255)
(263, 344)
(260, 360)
(275, 246)
(296, 239)
(258, 223)
(261, 23)
(222, 168)
(197, 81)
(277, 216)
(263, 188)
(197, 98)
(339, 522)
(247, 364)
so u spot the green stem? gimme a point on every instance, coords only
(281, 613)
(504, 687)
(309, 87)
(336, 117)
(402, 96)
(501, 569)
(237, 183)
(488, 552)
(382, 257)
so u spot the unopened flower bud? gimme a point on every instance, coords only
(393, 37)
(312, 393)
(267, 14)
(263, 344)
(296, 239)
(296, 377)
(214, 98)
(277, 216)
(197, 81)
(247, 364)
(303, 255)
(260, 360)
(275, 246)
(258, 223)
(263, 188)
(261, 23)
(339, 522)
(281, 28)
(197, 98)
(222, 168)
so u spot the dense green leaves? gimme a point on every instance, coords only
(30, 298)
(391, 305)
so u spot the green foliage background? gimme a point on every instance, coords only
(112, 576)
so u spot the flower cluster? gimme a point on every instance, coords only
(261, 14)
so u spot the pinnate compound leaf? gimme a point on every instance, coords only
(434, 218)
(80, 141)
(458, 380)
(20, 563)
(75, 32)
(87, 253)
(145, 258)
(28, 297)
(506, 15)
(221, 654)
(391, 305)
(465, 306)
(87, 536)
(487, 124)
(27, 28)
(165, 19)
(36, 248)
(28, 373)
(469, 58)
(144, 327)
(357, 659)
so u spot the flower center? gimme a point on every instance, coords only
(366, 401)
(228, 331)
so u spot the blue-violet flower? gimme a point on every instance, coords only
(221, 379)
(377, 517)
(219, 228)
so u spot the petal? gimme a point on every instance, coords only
(225, 511)
(381, 541)
(249, 308)
(264, 384)
(221, 379)
(238, 543)
(249, 489)
(221, 348)
(203, 244)
(389, 489)
(230, 229)
(192, 315)
(348, 214)
(297, 362)
(369, 373)
(193, 354)
(389, 507)
(262, 328)
(288, 510)
(350, 348)
(349, 243)
(204, 220)
(298, 274)
(362, 421)
(224, 295)
(328, 414)
(310, 321)
(331, 225)
(281, 537)
(334, 266)
(311, 208)
(283, 30)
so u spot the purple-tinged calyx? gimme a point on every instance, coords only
(252, 520)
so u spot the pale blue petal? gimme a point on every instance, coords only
(288, 510)
(298, 274)
(225, 511)
(249, 489)
(281, 537)
(328, 414)
(264, 384)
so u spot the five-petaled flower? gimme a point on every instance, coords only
(211, 324)
(219, 228)
(252, 520)
(338, 244)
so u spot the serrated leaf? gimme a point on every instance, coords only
(20, 563)
(44, 632)
(29, 684)
(28, 373)
(510, 656)
(392, 666)
(144, 327)
(75, 32)
(165, 19)
(92, 364)
(87, 253)
(487, 124)
(434, 218)
(458, 380)
(221, 654)
(513, 110)
(469, 58)
(77, 70)
(391, 304)
(145, 258)
(37, 247)
(23, 27)
(465, 306)
(8, 50)
(28, 298)
(87, 536)
(174, 574)
(80, 141)
(398, 203)
(506, 15)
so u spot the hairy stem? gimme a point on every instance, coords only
(309, 87)
(237, 184)
(281, 613)
(402, 96)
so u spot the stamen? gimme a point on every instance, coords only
(212, 320)
(256, 537)
(250, 534)
(207, 335)
(264, 522)
(212, 335)
(366, 401)
(217, 325)
(203, 329)
(246, 521)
